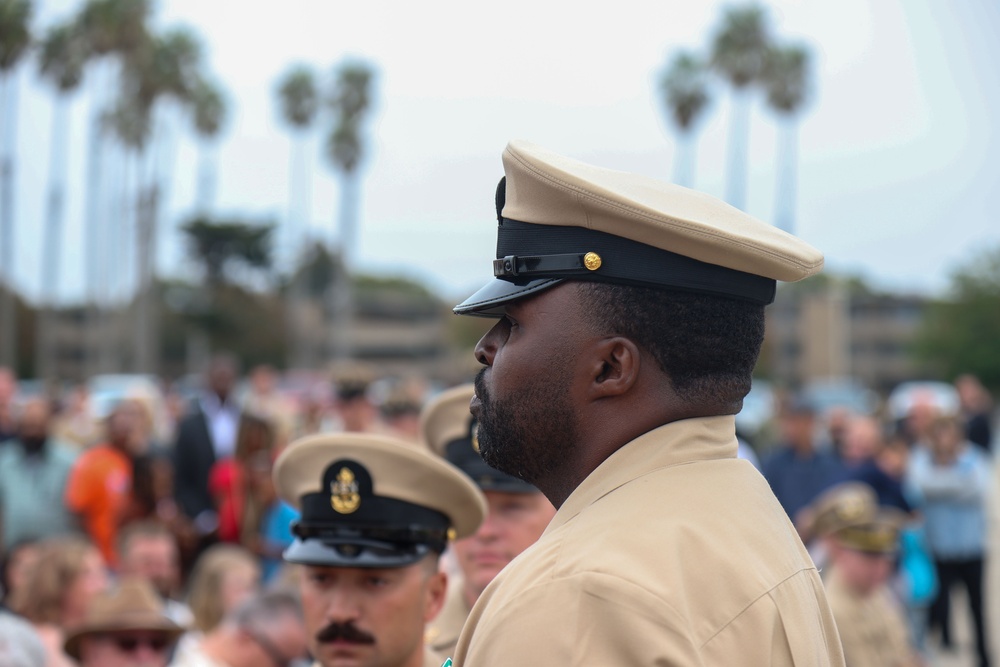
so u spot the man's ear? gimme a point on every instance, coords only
(437, 586)
(615, 367)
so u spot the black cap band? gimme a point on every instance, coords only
(528, 251)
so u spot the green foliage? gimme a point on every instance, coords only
(64, 53)
(786, 78)
(209, 108)
(961, 334)
(299, 97)
(115, 26)
(349, 101)
(15, 32)
(685, 89)
(740, 45)
(219, 245)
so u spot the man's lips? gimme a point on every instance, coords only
(475, 405)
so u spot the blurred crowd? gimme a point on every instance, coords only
(170, 496)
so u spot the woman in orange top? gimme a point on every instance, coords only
(101, 481)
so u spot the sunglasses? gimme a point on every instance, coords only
(130, 644)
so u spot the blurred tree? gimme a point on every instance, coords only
(959, 334)
(164, 67)
(115, 30)
(217, 246)
(298, 98)
(350, 100)
(209, 110)
(62, 57)
(15, 38)
(786, 81)
(684, 87)
(739, 53)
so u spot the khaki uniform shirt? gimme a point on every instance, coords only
(442, 633)
(672, 552)
(431, 659)
(872, 629)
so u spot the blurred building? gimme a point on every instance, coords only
(840, 329)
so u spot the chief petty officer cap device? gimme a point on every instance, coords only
(560, 219)
(372, 501)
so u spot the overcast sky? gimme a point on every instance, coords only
(894, 182)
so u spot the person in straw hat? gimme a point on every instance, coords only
(125, 627)
(518, 513)
(631, 315)
(376, 514)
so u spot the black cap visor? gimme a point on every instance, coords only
(490, 300)
(354, 552)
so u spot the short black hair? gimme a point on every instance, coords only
(707, 345)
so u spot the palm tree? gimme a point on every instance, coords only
(62, 58)
(739, 53)
(166, 67)
(298, 98)
(116, 31)
(786, 80)
(15, 38)
(209, 109)
(684, 87)
(350, 100)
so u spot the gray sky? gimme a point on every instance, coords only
(893, 177)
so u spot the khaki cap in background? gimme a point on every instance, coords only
(841, 506)
(561, 219)
(372, 501)
(448, 430)
(877, 535)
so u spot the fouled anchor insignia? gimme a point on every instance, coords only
(344, 496)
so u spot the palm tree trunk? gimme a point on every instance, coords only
(785, 190)
(684, 159)
(94, 220)
(299, 204)
(206, 185)
(343, 298)
(739, 141)
(52, 256)
(8, 139)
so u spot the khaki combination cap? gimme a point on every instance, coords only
(131, 607)
(372, 501)
(842, 506)
(560, 219)
(449, 430)
(878, 535)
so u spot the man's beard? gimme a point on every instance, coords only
(532, 433)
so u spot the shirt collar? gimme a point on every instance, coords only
(677, 443)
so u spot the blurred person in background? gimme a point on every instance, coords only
(266, 630)
(265, 400)
(17, 562)
(75, 423)
(224, 577)
(916, 424)
(517, 513)
(798, 470)
(124, 627)
(34, 469)
(401, 409)
(227, 480)
(267, 531)
(837, 420)
(860, 439)
(152, 499)
(977, 405)
(20, 645)
(953, 479)
(205, 435)
(67, 575)
(354, 408)
(8, 392)
(862, 541)
(100, 485)
(148, 550)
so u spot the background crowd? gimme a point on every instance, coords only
(175, 489)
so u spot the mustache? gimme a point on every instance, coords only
(480, 384)
(344, 631)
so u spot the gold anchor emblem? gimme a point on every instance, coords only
(344, 494)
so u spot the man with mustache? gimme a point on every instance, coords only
(377, 513)
(518, 512)
(631, 316)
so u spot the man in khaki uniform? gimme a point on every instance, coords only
(517, 514)
(376, 515)
(631, 316)
(861, 543)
